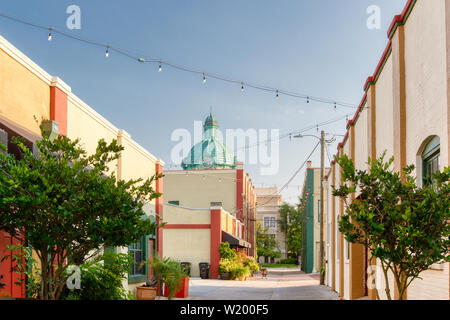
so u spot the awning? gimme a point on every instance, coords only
(233, 241)
(15, 130)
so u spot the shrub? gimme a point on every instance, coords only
(227, 265)
(251, 263)
(101, 279)
(289, 261)
(226, 252)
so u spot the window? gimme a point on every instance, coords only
(175, 202)
(269, 222)
(137, 251)
(431, 158)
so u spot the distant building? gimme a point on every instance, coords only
(311, 222)
(268, 202)
(210, 201)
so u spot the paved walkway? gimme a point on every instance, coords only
(289, 284)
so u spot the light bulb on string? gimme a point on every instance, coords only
(277, 96)
(307, 99)
(204, 78)
(160, 67)
(317, 127)
(107, 51)
(242, 86)
(335, 106)
(50, 34)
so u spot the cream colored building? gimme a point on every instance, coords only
(28, 91)
(268, 201)
(210, 201)
(405, 112)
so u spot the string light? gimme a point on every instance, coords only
(107, 52)
(242, 86)
(335, 106)
(277, 96)
(127, 53)
(160, 67)
(307, 99)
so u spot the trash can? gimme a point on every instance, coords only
(186, 267)
(204, 270)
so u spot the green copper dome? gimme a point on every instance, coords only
(210, 152)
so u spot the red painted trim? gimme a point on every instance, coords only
(187, 226)
(400, 18)
(58, 108)
(239, 191)
(372, 79)
(216, 239)
(159, 209)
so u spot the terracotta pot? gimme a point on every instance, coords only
(145, 293)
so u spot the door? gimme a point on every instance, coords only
(150, 253)
(8, 279)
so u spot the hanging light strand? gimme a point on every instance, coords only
(133, 56)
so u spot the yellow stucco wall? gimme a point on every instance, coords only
(198, 189)
(188, 245)
(361, 137)
(176, 215)
(384, 111)
(22, 93)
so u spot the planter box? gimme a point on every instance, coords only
(225, 276)
(145, 293)
(183, 292)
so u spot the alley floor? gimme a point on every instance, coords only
(280, 284)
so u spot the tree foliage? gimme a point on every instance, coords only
(67, 204)
(266, 244)
(291, 225)
(403, 225)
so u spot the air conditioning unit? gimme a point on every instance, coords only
(4, 140)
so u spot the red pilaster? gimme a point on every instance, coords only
(216, 239)
(58, 108)
(239, 191)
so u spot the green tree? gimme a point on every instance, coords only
(266, 244)
(68, 205)
(404, 226)
(291, 225)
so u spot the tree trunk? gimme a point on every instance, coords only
(387, 289)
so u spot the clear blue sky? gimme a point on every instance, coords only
(317, 47)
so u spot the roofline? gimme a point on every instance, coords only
(397, 21)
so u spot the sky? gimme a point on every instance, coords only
(320, 48)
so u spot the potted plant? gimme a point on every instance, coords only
(147, 291)
(225, 268)
(168, 272)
